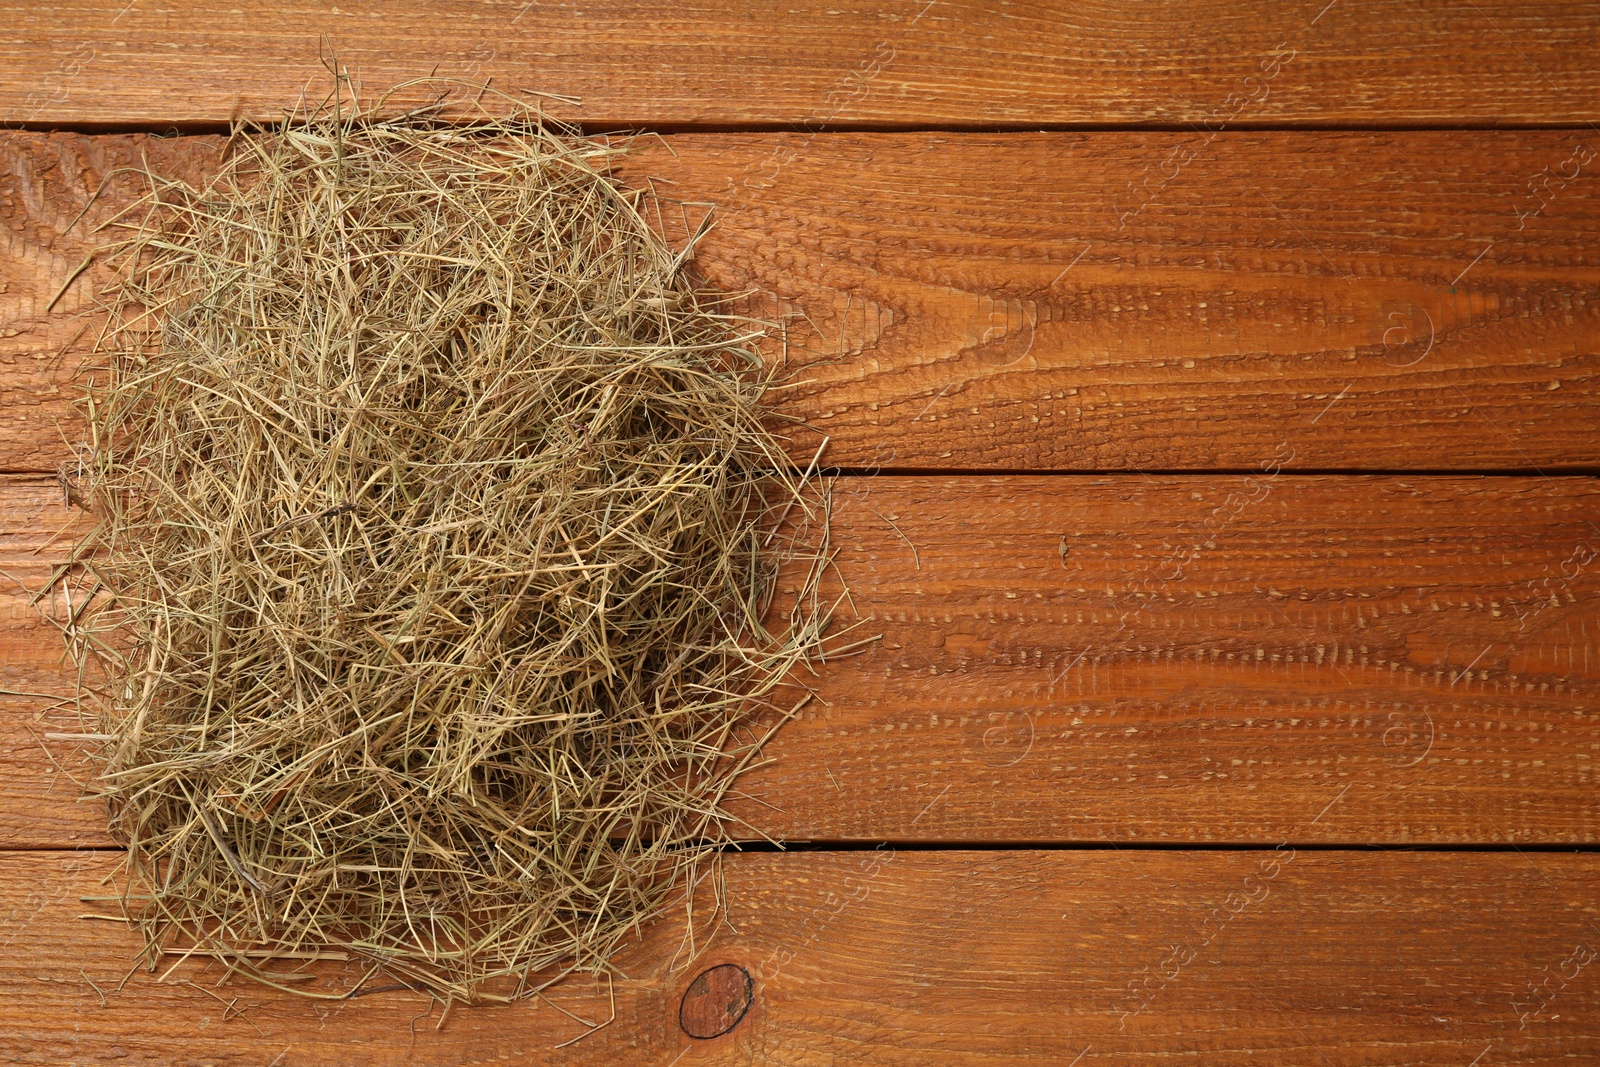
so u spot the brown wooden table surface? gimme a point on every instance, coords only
(1215, 390)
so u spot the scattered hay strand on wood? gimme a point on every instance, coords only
(435, 547)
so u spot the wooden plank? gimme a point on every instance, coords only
(908, 61)
(1174, 659)
(1269, 957)
(1375, 301)
(1172, 301)
(37, 775)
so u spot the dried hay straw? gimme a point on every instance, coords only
(438, 524)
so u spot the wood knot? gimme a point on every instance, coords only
(716, 1001)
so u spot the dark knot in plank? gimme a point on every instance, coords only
(716, 1001)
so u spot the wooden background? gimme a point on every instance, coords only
(1215, 391)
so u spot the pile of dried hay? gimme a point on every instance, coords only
(437, 526)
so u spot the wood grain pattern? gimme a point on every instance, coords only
(1043, 302)
(1128, 659)
(877, 958)
(1123, 659)
(906, 61)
